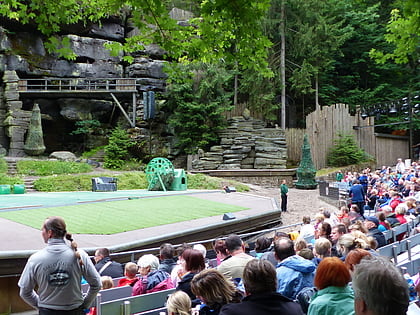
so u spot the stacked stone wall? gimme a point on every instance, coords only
(245, 144)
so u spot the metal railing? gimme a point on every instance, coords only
(77, 85)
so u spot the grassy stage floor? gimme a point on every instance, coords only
(125, 215)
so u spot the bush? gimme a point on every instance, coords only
(44, 168)
(3, 166)
(346, 152)
(116, 152)
(9, 180)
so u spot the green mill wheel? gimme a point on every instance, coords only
(159, 174)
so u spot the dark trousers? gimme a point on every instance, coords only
(284, 203)
(361, 206)
(48, 311)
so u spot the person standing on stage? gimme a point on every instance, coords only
(56, 271)
(283, 193)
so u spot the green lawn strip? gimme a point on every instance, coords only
(127, 215)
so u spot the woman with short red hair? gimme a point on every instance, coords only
(334, 295)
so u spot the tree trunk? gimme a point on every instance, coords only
(283, 66)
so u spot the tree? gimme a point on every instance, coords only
(224, 29)
(197, 97)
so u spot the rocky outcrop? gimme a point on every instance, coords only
(245, 144)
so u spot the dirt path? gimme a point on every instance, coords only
(300, 202)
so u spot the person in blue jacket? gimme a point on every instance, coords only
(293, 272)
(358, 196)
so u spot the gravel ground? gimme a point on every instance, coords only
(300, 202)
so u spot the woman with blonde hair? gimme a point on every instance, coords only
(348, 242)
(179, 303)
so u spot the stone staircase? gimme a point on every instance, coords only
(12, 171)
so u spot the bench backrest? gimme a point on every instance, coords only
(134, 304)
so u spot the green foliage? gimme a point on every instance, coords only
(43, 168)
(127, 181)
(403, 31)
(198, 95)
(92, 153)
(10, 180)
(86, 127)
(201, 181)
(346, 152)
(117, 150)
(221, 29)
(3, 166)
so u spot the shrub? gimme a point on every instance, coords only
(346, 152)
(116, 152)
(3, 166)
(43, 168)
(10, 180)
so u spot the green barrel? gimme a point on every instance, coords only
(4, 189)
(18, 189)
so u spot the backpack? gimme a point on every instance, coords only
(304, 297)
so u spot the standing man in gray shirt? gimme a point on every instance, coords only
(56, 271)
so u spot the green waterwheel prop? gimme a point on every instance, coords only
(159, 174)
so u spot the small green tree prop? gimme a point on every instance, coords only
(34, 144)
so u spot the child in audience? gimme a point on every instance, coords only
(179, 303)
(130, 271)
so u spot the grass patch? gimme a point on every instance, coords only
(127, 181)
(120, 216)
(45, 168)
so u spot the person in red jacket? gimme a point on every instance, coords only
(130, 272)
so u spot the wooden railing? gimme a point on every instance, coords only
(60, 85)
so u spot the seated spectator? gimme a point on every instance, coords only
(330, 218)
(354, 257)
(348, 242)
(324, 230)
(400, 211)
(130, 272)
(372, 198)
(334, 295)
(307, 229)
(105, 266)
(342, 213)
(383, 224)
(219, 247)
(270, 255)
(166, 256)
(306, 253)
(192, 262)
(259, 280)
(354, 214)
(358, 226)
(214, 290)
(234, 266)
(293, 272)
(177, 271)
(300, 244)
(106, 282)
(321, 250)
(336, 233)
(319, 218)
(372, 223)
(151, 279)
(262, 245)
(379, 288)
(179, 303)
